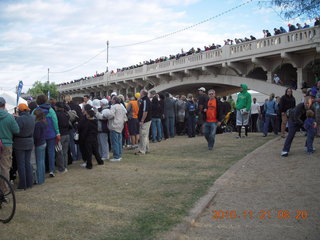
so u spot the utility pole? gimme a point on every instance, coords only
(48, 84)
(107, 55)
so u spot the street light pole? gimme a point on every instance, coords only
(107, 55)
(48, 84)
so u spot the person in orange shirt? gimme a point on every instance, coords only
(213, 118)
(133, 122)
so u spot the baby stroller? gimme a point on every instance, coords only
(226, 124)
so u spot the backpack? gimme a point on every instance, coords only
(191, 107)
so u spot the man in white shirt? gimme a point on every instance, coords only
(277, 80)
(255, 111)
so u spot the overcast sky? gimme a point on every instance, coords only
(60, 34)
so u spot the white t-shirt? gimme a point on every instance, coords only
(255, 107)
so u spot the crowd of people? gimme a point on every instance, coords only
(54, 134)
(212, 46)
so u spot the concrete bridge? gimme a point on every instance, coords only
(293, 56)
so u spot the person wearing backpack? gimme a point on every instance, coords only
(64, 128)
(191, 109)
(155, 117)
(23, 144)
(8, 127)
(52, 134)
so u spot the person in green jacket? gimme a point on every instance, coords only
(243, 106)
(8, 127)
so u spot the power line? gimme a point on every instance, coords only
(159, 37)
(186, 28)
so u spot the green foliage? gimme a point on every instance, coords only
(42, 88)
(291, 9)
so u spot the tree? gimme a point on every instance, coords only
(42, 88)
(291, 9)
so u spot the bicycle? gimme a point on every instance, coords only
(7, 200)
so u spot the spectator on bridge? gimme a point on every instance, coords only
(145, 117)
(270, 109)
(287, 101)
(23, 145)
(306, 25)
(282, 30)
(243, 106)
(252, 37)
(276, 31)
(291, 27)
(296, 120)
(156, 113)
(277, 80)
(169, 114)
(317, 21)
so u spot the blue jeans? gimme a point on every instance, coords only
(40, 159)
(310, 138)
(51, 153)
(103, 145)
(210, 129)
(156, 129)
(116, 143)
(24, 168)
(293, 128)
(170, 126)
(270, 119)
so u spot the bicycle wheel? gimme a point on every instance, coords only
(7, 200)
(229, 129)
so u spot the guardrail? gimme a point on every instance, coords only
(301, 37)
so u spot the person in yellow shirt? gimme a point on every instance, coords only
(133, 122)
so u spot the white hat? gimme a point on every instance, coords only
(114, 94)
(202, 89)
(96, 103)
(104, 101)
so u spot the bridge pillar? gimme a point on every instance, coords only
(269, 77)
(301, 77)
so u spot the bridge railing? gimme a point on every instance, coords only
(226, 53)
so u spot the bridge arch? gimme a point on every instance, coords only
(232, 83)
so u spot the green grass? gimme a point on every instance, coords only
(137, 198)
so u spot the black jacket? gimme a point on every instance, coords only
(298, 114)
(286, 102)
(63, 122)
(155, 108)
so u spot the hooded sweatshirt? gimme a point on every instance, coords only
(244, 99)
(8, 127)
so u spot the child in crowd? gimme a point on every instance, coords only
(40, 144)
(89, 130)
(310, 125)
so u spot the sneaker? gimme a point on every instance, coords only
(51, 174)
(115, 159)
(101, 163)
(104, 159)
(64, 171)
(210, 148)
(83, 164)
(284, 154)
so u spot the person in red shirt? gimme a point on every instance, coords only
(214, 117)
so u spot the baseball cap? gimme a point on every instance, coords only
(104, 101)
(202, 89)
(23, 107)
(2, 100)
(114, 94)
(96, 103)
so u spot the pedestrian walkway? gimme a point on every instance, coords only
(263, 196)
